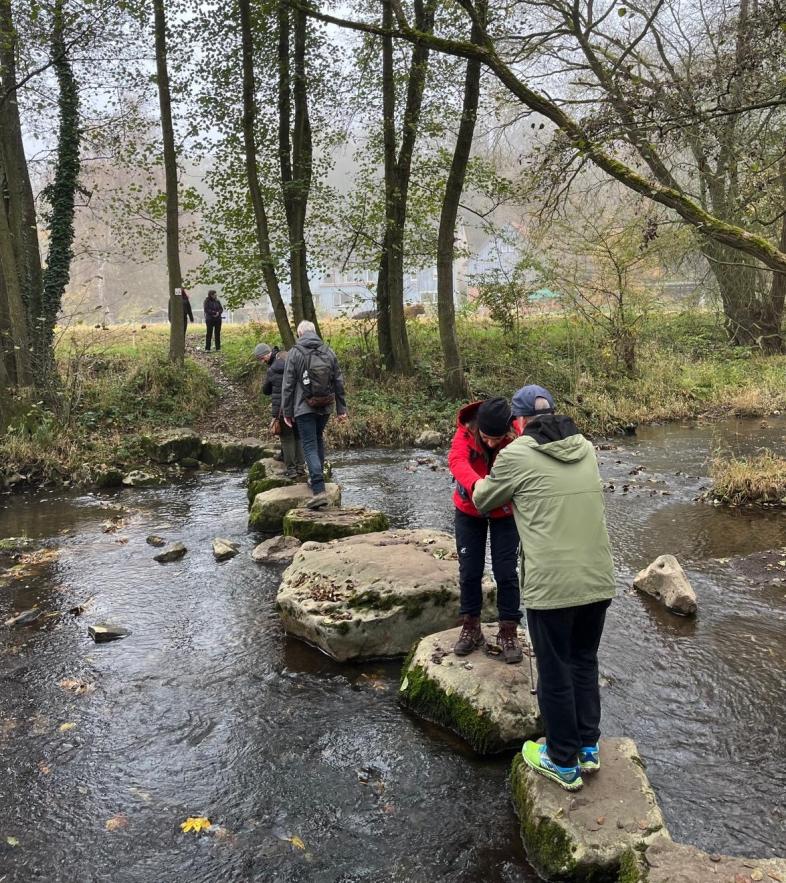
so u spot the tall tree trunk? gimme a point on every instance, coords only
(15, 344)
(455, 383)
(252, 174)
(61, 193)
(391, 324)
(177, 319)
(17, 193)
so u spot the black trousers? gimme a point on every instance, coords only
(566, 646)
(213, 325)
(471, 535)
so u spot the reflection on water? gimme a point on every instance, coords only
(208, 709)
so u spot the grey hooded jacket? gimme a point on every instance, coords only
(293, 403)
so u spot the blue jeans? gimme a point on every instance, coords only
(311, 429)
(471, 535)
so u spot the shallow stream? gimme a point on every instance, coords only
(207, 709)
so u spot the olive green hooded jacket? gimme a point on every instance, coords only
(558, 505)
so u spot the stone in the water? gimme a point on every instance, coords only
(265, 475)
(592, 834)
(266, 467)
(665, 580)
(11, 546)
(173, 445)
(103, 632)
(223, 450)
(485, 701)
(667, 862)
(224, 549)
(428, 439)
(172, 553)
(372, 595)
(140, 478)
(155, 540)
(277, 550)
(254, 449)
(270, 507)
(321, 525)
(108, 477)
(26, 617)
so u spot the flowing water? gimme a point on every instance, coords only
(207, 709)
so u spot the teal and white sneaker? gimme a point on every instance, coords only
(589, 759)
(536, 757)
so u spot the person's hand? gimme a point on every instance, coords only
(289, 422)
(342, 418)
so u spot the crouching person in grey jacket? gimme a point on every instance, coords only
(313, 385)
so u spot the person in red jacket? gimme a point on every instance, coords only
(483, 429)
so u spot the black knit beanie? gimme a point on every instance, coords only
(494, 417)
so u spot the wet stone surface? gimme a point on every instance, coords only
(209, 709)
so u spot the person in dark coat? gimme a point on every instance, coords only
(212, 309)
(291, 448)
(188, 313)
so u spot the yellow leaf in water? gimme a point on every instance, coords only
(44, 768)
(116, 822)
(12, 841)
(297, 842)
(64, 728)
(195, 824)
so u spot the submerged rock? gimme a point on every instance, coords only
(595, 833)
(103, 632)
(155, 540)
(140, 478)
(480, 698)
(667, 862)
(12, 546)
(172, 553)
(665, 580)
(372, 595)
(270, 507)
(26, 617)
(428, 439)
(321, 525)
(223, 450)
(277, 550)
(108, 477)
(224, 549)
(173, 445)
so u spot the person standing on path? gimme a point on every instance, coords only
(188, 313)
(313, 385)
(275, 359)
(213, 311)
(551, 475)
(483, 429)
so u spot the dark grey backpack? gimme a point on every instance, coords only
(319, 388)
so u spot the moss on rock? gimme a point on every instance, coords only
(332, 524)
(260, 485)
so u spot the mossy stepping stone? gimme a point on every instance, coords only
(265, 475)
(372, 595)
(480, 698)
(322, 525)
(269, 507)
(173, 445)
(593, 834)
(223, 451)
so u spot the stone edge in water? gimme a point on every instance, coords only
(307, 528)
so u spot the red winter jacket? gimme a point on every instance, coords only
(468, 464)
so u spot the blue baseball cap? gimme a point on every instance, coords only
(523, 404)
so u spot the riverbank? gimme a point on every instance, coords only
(118, 386)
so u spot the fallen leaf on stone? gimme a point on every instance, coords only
(297, 842)
(559, 813)
(44, 768)
(742, 878)
(64, 728)
(116, 823)
(600, 820)
(643, 825)
(195, 824)
(757, 875)
(12, 841)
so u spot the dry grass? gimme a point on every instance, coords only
(759, 480)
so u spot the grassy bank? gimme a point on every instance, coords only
(116, 384)
(750, 481)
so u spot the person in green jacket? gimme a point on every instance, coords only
(567, 578)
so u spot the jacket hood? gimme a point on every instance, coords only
(310, 340)
(557, 436)
(467, 414)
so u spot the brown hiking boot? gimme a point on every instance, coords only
(471, 636)
(508, 642)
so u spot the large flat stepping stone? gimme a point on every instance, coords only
(480, 698)
(173, 445)
(264, 475)
(591, 834)
(223, 450)
(276, 550)
(668, 862)
(255, 449)
(269, 508)
(322, 525)
(372, 595)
